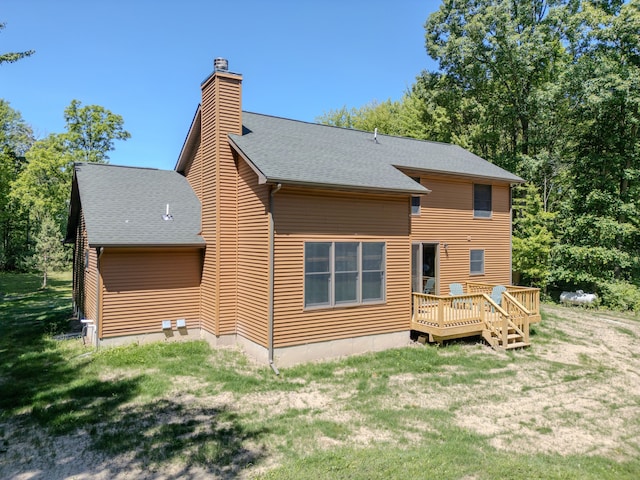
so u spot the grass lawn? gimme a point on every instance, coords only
(566, 408)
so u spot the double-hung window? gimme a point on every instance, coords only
(343, 273)
(481, 201)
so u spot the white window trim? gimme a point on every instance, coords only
(332, 274)
(471, 272)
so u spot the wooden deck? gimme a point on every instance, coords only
(475, 313)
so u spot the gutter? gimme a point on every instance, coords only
(272, 275)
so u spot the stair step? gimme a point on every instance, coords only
(509, 346)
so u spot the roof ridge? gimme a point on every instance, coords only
(349, 129)
(79, 164)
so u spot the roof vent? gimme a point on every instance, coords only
(220, 65)
(167, 216)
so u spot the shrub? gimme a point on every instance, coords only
(620, 295)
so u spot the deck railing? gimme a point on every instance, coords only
(472, 312)
(518, 314)
(528, 297)
(448, 311)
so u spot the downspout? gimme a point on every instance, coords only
(99, 251)
(272, 275)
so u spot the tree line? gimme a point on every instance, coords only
(36, 175)
(35, 181)
(550, 90)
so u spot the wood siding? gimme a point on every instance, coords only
(79, 271)
(253, 257)
(193, 171)
(85, 277)
(329, 216)
(446, 217)
(140, 288)
(91, 307)
(221, 115)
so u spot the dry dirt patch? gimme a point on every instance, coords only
(580, 394)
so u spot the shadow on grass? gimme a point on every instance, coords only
(33, 369)
(213, 439)
(48, 386)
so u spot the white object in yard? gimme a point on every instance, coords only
(181, 323)
(88, 331)
(578, 298)
(166, 324)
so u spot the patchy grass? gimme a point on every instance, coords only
(562, 409)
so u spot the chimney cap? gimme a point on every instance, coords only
(220, 64)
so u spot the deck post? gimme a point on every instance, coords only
(440, 312)
(505, 331)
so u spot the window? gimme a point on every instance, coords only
(482, 201)
(86, 259)
(317, 273)
(476, 262)
(415, 201)
(343, 273)
(415, 205)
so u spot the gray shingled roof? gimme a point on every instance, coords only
(124, 206)
(294, 152)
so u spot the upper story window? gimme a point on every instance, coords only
(415, 201)
(343, 273)
(481, 201)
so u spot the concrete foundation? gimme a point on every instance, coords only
(283, 356)
(175, 335)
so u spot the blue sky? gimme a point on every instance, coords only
(145, 60)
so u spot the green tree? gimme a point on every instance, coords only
(599, 220)
(49, 254)
(532, 238)
(15, 139)
(382, 116)
(498, 58)
(15, 56)
(42, 187)
(91, 131)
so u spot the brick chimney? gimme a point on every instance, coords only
(221, 111)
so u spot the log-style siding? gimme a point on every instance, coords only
(330, 216)
(140, 288)
(446, 217)
(253, 257)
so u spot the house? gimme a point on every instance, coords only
(296, 241)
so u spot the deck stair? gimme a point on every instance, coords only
(503, 326)
(515, 338)
(501, 330)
